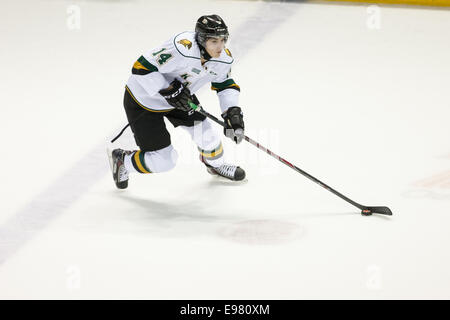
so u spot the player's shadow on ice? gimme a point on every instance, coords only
(216, 181)
(193, 210)
(175, 220)
(198, 211)
(309, 215)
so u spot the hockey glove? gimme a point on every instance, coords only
(177, 95)
(234, 124)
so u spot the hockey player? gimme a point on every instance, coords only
(162, 83)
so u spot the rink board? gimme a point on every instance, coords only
(439, 3)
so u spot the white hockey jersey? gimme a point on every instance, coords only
(179, 58)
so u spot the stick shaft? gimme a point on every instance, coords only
(274, 155)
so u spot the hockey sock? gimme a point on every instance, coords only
(160, 160)
(213, 157)
(135, 162)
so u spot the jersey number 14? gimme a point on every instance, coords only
(162, 57)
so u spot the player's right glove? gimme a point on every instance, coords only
(177, 95)
(234, 124)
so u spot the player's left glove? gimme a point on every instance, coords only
(234, 124)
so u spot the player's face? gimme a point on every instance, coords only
(214, 46)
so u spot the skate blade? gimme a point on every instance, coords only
(218, 178)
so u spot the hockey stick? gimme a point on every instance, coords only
(365, 210)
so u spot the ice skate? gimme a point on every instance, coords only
(120, 173)
(228, 171)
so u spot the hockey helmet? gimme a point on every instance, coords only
(210, 26)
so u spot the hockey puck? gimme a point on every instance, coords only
(366, 212)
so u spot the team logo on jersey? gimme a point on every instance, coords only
(186, 43)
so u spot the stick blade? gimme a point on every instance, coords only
(380, 210)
